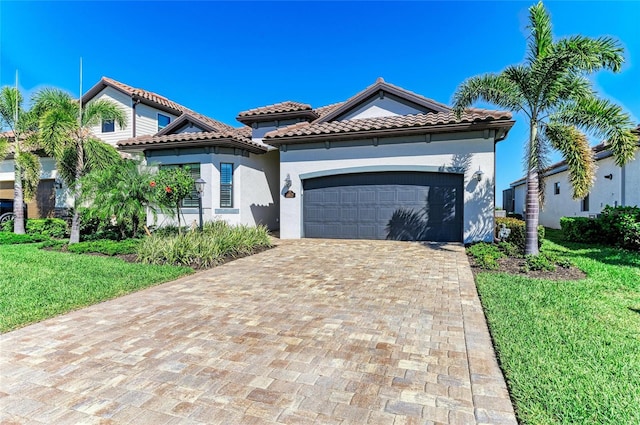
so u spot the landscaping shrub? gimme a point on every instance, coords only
(103, 246)
(580, 229)
(617, 226)
(518, 232)
(509, 249)
(539, 262)
(485, 255)
(8, 238)
(515, 215)
(51, 227)
(203, 249)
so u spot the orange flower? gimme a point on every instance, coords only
(152, 184)
(167, 189)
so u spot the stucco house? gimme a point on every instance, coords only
(384, 164)
(613, 185)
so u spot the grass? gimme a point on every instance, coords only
(37, 284)
(570, 350)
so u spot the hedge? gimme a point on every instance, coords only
(617, 226)
(51, 227)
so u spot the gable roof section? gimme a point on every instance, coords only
(379, 87)
(143, 96)
(472, 119)
(277, 111)
(202, 121)
(235, 138)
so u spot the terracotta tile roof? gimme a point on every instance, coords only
(6, 134)
(133, 92)
(384, 123)
(287, 106)
(325, 110)
(218, 125)
(236, 138)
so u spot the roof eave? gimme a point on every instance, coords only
(276, 116)
(391, 132)
(226, 142)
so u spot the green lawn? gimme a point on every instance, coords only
(37, 284)
(570, 350)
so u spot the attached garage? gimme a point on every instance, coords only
(385, 205)
(43, 204)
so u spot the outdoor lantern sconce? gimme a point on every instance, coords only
(609, 176)
(478, 174)
(287, 181)
(57, 183)
(200, 189)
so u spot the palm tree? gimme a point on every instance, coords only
(551, 89)
(26, 164)
(65, 134)
(122, 193)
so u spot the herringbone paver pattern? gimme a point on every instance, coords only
(312, 331)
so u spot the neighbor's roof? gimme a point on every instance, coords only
(235, 138)
(136, 93)
(422, 123)
(282, 110)
(601, 151)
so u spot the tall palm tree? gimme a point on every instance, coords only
(551, 89)
(26, 164)
(65, 134)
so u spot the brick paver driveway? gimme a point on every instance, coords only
(313, 331)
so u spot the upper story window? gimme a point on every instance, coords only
(556, 188)
(108, 126)
(584, 204)
(163, 121)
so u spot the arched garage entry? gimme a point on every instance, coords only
(401, 205)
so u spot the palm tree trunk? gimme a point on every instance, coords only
(532, 212)
(18, 201)
(74, 237)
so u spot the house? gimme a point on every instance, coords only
(613, 185)
(384, 164)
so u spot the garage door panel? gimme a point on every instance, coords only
(396, 205)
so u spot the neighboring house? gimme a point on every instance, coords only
(386, 164)
(44, 202)
(613, 185)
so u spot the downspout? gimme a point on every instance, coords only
(135, 102)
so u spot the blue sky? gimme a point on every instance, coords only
(220, 58)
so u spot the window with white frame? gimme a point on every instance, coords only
(163, 121)
(108, 126)
(584, 204)
(556, 188)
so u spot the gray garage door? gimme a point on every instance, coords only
(390, 205)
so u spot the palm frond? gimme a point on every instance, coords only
(491, 88)
(29, 164)
(591, 54)
(541, 38)
(48, 99)
(56, 131)
(4, 147)
(102, 109)
(568, 87)
(575, 149)
(521, 77)
(99, 155)
(605, 120)
(10, 97)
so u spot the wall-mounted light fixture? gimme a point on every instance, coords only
(57, 184)
(609, 176)
(478, 174)
(287, 181)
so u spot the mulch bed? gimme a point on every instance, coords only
(515, 266)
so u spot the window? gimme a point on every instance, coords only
(108, 126)
(585, 203)
(556, 188)
(163, 121)
(194, 169)
(226, 185)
